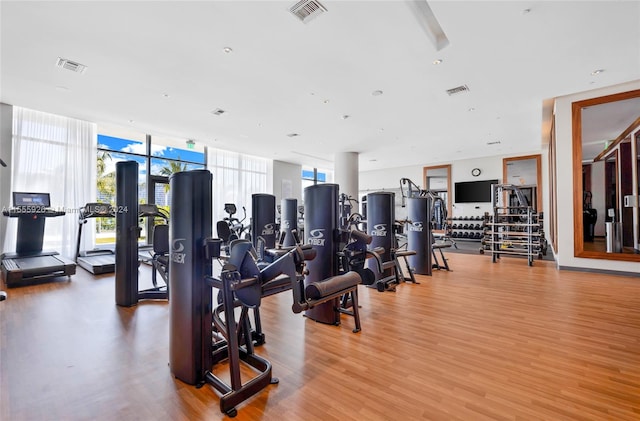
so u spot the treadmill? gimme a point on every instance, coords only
(29, 262)
(98, 260)
(151, 212)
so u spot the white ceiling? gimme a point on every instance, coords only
(282, 71)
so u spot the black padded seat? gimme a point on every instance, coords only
(333, 285)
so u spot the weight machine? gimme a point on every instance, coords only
(195, 347)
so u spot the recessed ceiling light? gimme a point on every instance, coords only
(436, 62)
(326, 101)
(259, 124)
(525, 11)
(471, 109)
(131, 121)
(382, 129)
(346, 116)
(597, 72)
(227, 49)
(218, 111)
(293, 134)
(165, 95)
(376, 93)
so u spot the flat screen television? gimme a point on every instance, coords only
(474, 191)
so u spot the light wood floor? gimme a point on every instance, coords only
(487, 341)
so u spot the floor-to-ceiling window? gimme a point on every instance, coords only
(157, 158)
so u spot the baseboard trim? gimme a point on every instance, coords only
(602, 271)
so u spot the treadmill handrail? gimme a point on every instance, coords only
(96, 210)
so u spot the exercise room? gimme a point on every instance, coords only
(320, 210)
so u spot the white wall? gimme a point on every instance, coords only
(6, 134)
(389, 180)
(287, 176)
(490, 167)
(564, 164)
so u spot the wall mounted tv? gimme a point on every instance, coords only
(474, 191)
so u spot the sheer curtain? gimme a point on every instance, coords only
(235, 178)
(55, 155)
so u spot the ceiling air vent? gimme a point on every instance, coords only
(70, 65)
(218, 111)
(307, 10)
(495, 142)
(458, 90)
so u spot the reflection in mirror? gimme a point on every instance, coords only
(438, 180)
(603, 127)
(524, 172)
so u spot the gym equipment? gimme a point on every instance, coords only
(263, 221)
(194, 346)
(511, 230)
(589, 217)
(380, 222)
(152, 212)
(419, 234)
(289, 221)
(238, 230)
(301, 221)
(127, 233)
(320, 230)
(98, 260)
(160, 258)
(30, 262)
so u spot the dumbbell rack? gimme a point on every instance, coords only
(466, 228)
(514, 231)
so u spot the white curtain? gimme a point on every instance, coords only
(235, 178)
(55, 155)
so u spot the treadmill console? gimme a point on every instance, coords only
(37, 201)
(25, 204)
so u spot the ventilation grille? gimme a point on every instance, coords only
(70, 65)
(495, 142)
(218, 111)
(306, 10)
(458, 90)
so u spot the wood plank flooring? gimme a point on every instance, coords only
(488, 341)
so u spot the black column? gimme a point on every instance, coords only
(263, 220)
(380, 219)
(320, 229)
(289, 220)
(190, 304)
(419, 234)
(127, 233)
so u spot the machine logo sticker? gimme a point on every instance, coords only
(379, 230)
(268, 229)
(416, 226)
(316, 237)
(178, 247)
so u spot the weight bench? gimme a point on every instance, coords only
(320, 292)
(439, 245)
(389, 283)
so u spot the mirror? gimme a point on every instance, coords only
(438, 180)
(604, 174)
(524, 172)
